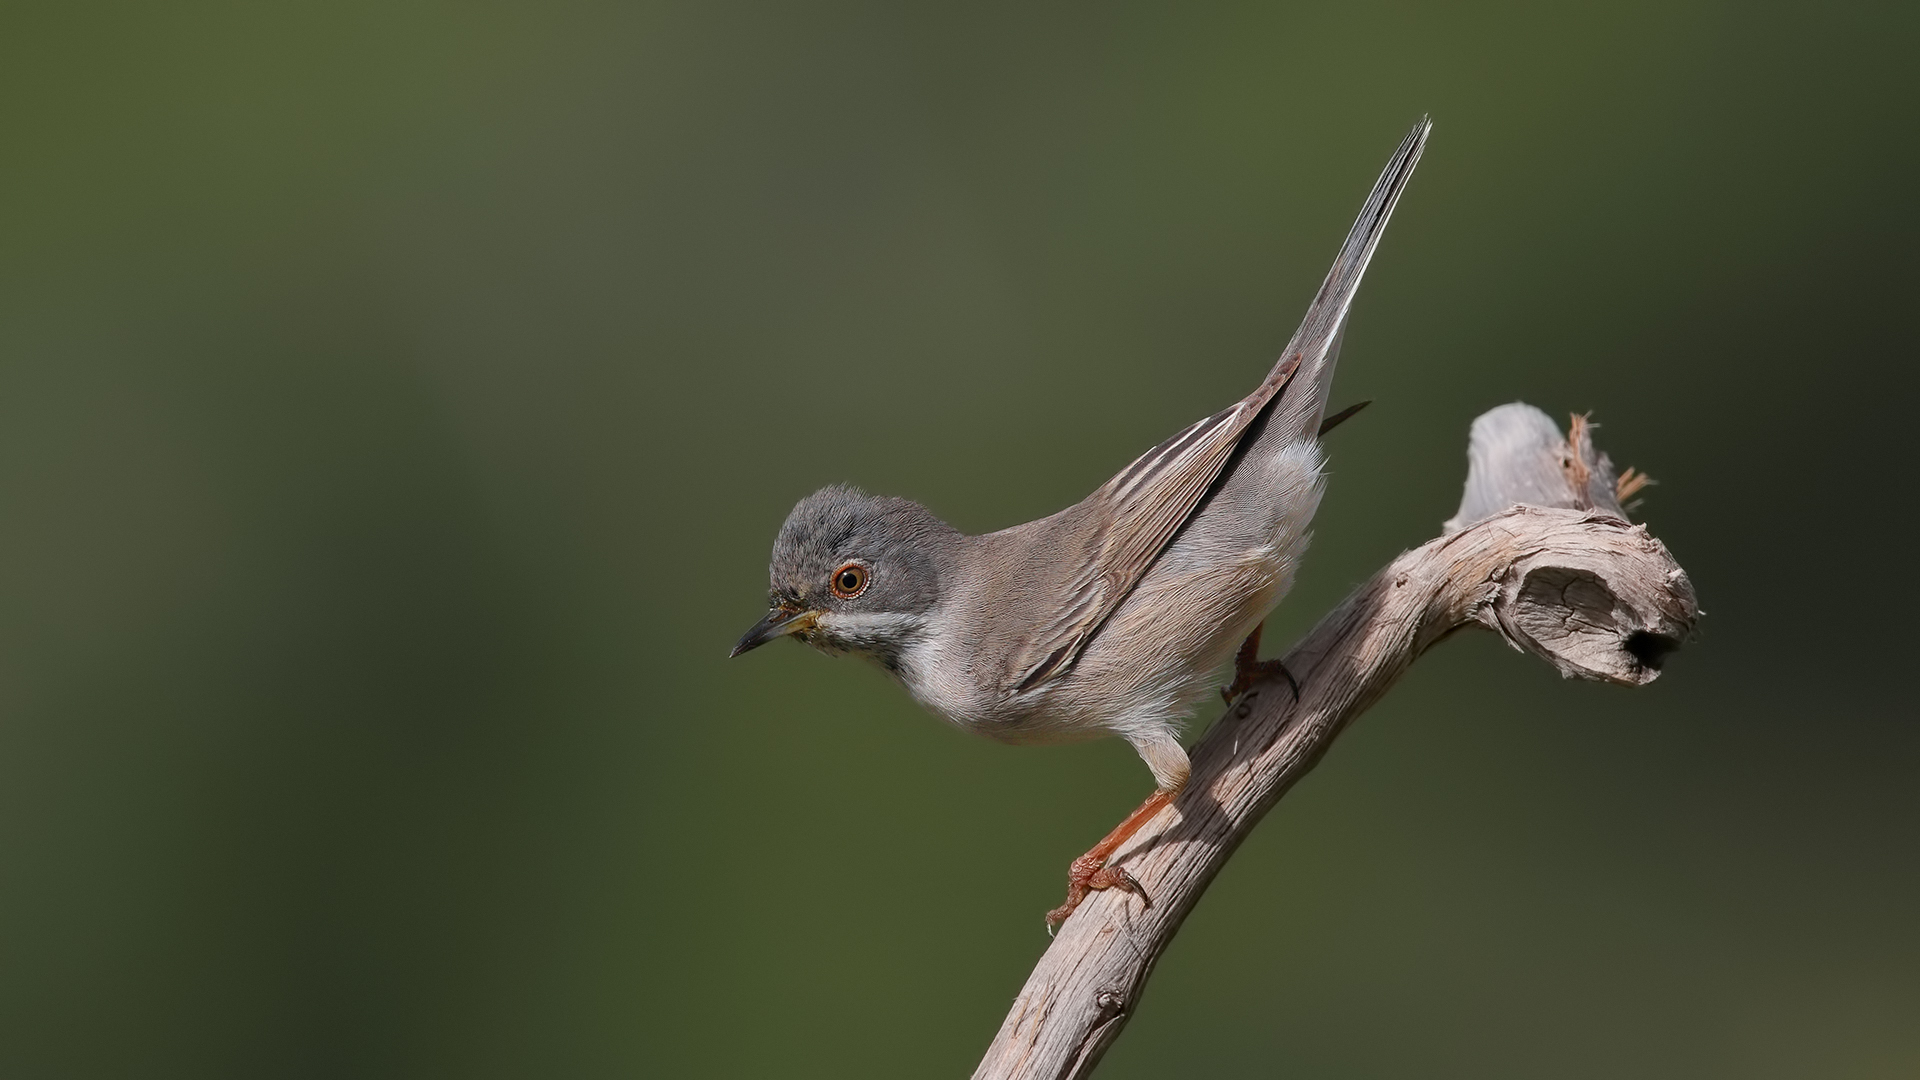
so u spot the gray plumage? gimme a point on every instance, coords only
(1116, 615)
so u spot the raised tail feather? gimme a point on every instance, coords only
(1316, 344)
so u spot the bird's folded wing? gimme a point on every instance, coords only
(1141, 509)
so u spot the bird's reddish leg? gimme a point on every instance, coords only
(1248, 669)
(1090, 872)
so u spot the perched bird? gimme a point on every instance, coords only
(1115, 615)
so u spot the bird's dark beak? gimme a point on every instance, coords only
(779, 622)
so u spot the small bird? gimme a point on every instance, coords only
(1114, 616)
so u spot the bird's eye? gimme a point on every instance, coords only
(849, 581)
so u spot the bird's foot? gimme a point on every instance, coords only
(1245, 677)
(1248, 669)
(1090, 874)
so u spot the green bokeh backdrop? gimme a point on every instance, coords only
(397, 402)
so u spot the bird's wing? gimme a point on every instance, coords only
(1141, 509)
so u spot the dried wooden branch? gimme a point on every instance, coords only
(1562, 575)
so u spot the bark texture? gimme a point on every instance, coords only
(1540, 553)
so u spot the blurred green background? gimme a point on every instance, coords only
(397, 403)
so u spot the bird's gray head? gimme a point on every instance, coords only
(853, 572)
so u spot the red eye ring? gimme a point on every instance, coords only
(849, 581)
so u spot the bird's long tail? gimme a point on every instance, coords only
(1316, 344)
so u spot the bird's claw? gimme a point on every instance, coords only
(1245, 677)
(1248, 669)
(1088, 875)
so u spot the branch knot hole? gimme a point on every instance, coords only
(1571, 617)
